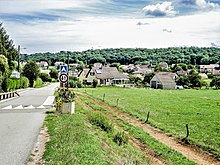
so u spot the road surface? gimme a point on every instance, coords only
(20, 121)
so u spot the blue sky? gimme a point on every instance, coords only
(55, 25)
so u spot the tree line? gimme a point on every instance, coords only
(172, 55)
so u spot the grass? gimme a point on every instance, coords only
(161, 150)
(171, 110)
(74, 140)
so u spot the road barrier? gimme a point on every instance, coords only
(8, 95)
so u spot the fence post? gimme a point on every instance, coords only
(103, 98)
(117, 102)
(187, 131)
(148, 115)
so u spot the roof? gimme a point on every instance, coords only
(181, 73)
(216, 72)
(86, 71)
(108, 73)
(211, 66)
(163, 64)
(165, 77)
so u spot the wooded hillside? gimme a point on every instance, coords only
(187, 55)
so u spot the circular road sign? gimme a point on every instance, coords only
(63, 78)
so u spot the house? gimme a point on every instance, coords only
(163, 65)
(15, 74)
(83, 74)
(128, 68)
(163, 80)
(97, 65)
(203, 75)
(216, 72)
(107, 76)
(73, 73)
(42, 64)
(208, 68)
(74, 65)
(181, 73)
(58, 63)
(45, 71)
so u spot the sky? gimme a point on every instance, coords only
(77, 25)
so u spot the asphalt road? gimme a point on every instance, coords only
(20, 121)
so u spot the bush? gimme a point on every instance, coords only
(79, 84)
(101, 121)
(94, 83)
(45, 77)
(38, 83)
(120, 138)
(72, 84)
(24, 82)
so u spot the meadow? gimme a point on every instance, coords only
(170, 111)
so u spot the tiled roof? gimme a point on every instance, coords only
(166, 77)
(108, 73)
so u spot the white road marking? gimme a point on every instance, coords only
(41, 107)
(49, 100)
(29, 107)
(19, 107)
(8, 107)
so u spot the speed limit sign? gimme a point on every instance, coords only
(63, 78)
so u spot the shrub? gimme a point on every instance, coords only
(38, 83)
(24, 82)
(120, 138)
(79, 84)
(72, 84)
(101, 121)
(94, 83)
(45, 77)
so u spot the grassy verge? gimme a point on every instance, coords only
(169, 155)
(171, 110)
(74, 139)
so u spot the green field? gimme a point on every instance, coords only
(171, 110)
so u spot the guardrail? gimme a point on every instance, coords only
(8, 95)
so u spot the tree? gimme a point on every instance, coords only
(45, 77)
(194, 80)
(215, 82)
(31, 71)
(94, 83)
(148, 77)
(7, 48)
(54, 73)
(4, 69)
(182, 80)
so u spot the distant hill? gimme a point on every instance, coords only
(172, 55)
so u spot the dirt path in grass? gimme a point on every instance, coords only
(154, 158)
(190, 151)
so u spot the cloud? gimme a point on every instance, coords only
(105, 32)
(160, 9)
(203, 4)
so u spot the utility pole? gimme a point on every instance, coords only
(19, 49)
(68, 61)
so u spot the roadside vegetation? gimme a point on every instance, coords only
(170, 111)
(87, 138)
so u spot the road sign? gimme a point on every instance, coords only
(63, 69)
(63, 78)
